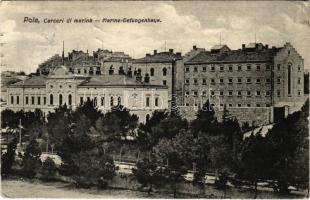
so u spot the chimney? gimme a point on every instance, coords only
(266, 46)
(256, 45)
(171, 50)
(194, 47)
(155, 52)
(243, 46)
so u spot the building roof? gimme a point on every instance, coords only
(218, 46)
(116, 80)
(159, 57)
(234, 56)
(32, 81)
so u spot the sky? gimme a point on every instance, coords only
(183, 24)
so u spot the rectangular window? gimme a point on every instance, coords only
(267, 67)
(239, 94)
(195, 69)
(27, 100)
(267, 93)
(248, 105)
(279, 80)
(39, 100)
(221, 93)
(267, 80)
(230, 68)
(17, 99)
(221, 68)
(248, 67)
(258, 81)
(187, 81)
(187, 69)
(204, 69)
(212, 68)
(299, 80)
(147, 102)
(257, 67)
(248, 80)
(248, 93)
(257, 93)
(164, 82)
(12, 99)
(230, 93)
(230, 105)
(195, 93)
(195, 81)
(212, 81)
(221, 80)
(279, 93)
(88, 99)
(102, 101)
(230, 80)
(239, 80)
(32, 100)
(44, 100)
(239, 105)
(204, 81)
(156, 101)
(239, 67)
(81, 100)
(279, 67)
(258, 105)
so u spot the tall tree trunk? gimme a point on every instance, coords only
(255, 189)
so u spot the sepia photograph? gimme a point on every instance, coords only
(155, 99)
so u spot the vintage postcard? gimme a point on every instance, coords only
(155, 99)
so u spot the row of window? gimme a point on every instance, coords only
(230, 68)
(238, 93)
(235, 105)
(231, 80)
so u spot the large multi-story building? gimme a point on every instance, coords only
(249, 80)
(63, 87)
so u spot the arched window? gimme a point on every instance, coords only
(70, 99)
(147, 118)
(60, 99)
(152, 71)
(95, 101)
(147, 78)
(111, 70)
(289, 74)
(102, 101)
(111, 101)
(119, 101)
(51, 99)
(164, 71)
(139, 71)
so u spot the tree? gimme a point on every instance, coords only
(31, 162)
(288, 141)
(8, 158)
(148, 173)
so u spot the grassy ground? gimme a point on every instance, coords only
(18, 188)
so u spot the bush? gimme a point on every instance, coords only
(48, 169)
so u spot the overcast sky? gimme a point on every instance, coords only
(183, 25)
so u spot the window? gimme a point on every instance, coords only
(60, 86)
(279, 80)
(27, 100)
(257, 67)
(257, 93)
(212, 68)
(221, 68)
(44, 100)
(187, 69)
(51, 86)
(248, 80)
(187, 93)
(267, 105)
(221, 93)
(111, 101)
(195, 81)
(32, 100)
(248, 67)
(164, 82)
(156, 101)
(248, 105)
(187, 104)
(152, 71)
(239, 80)
(85, 71)
(81, 100)
(230, 93)
(119, 101)
(164, 71)
(212, 93)
(17, 99)
(267, 80)
(239, 105)
(230, 80)
(147, 102)
(60, 99)
(267, 67)
(70, 99)
(230, 105)
(204, 69)
(239, 67)
(102, 101)
(39, 100)
(299, 68)
(12, 99)
(239, 93)
(279, 67)
(79, 71)
(204, 93)
(230, 68)
(51, 99)
(267, 93)
(212, 81)
(279, 93)
(147, 117)
(221, 80)
(195, 93)
(204, 81)
(258, 105)
(258, 81)
(69, 86)
(195, 69)
(187, 81)
(248, 93)
(299, 80)
(299, 93)
(289, 74)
